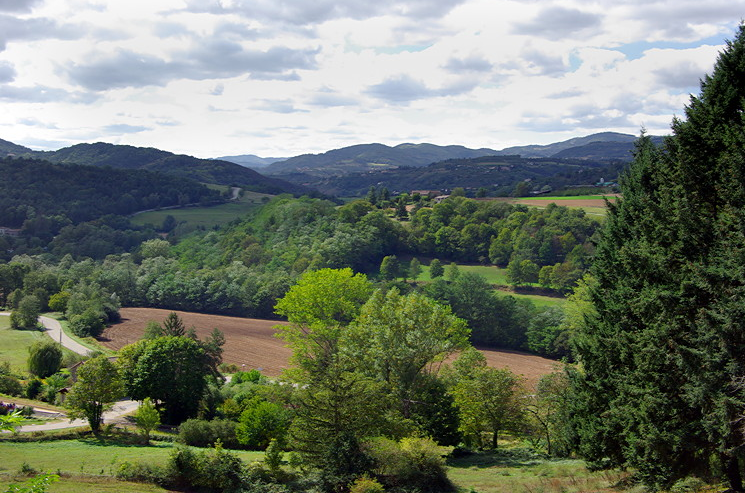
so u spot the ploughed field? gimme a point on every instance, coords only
(251, 342)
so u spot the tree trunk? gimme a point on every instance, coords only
(732, 470)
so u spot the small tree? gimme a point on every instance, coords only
(27, 314)
(173, 325)
(415, 268)
(389, 268)
(452, 272)
(436, 269)
(147, 418)
(97, 387)
(45, 358)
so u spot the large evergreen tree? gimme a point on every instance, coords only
(664, 354)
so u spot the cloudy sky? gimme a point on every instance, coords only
(285, 77)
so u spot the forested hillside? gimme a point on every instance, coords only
(496, 175)
(78, 209)
(148, 158)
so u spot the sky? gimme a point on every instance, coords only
(278, 78)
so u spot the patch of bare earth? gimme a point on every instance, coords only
(251, 342)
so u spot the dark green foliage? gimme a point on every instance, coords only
(662, 388)
(261, 422)
(33, 387)
(44, 358)
(27, 314)
(10, 385)
(494, 320)
(211, 470)
(436, 269)
(170, 370)
(83, 193)
(203, 433)
(87, 324)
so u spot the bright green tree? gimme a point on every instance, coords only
(318, 307)
(397, 337)
(415, 268)
(390, 268)
(97, 387)
(489, 400)
(147, 418)
(662, 356)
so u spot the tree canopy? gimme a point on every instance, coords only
(662, 352)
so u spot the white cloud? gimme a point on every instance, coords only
(284, 77)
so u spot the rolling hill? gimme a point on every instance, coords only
(148, 158)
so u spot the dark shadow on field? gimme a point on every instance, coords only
(517, 457)
(133, 441)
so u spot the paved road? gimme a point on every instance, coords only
(54, 330)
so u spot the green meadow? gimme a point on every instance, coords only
(204, 217)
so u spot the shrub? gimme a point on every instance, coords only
(261, 422)
(10, 385)
(44, 358)
(366, 485)
(143, 473)
(211, 469)
(253, 376)
(202, 433)
(412, 463)
(87, 324)
(33, 387)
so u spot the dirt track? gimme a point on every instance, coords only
(251, 342)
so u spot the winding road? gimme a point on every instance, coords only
(54, 330)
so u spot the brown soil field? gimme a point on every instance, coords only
(251, 342)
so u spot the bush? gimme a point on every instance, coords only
(212, 469)
(33, 387)
(87, 324)
(44, 358)
(412, 464)
(10, 385)
(261, 422)
(366, 485)
(252, 376)
(143, 473)
(202, 433)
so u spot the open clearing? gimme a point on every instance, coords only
(592, 204)
(252, 342)
(206, 217)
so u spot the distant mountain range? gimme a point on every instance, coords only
(148, 158)
(604, 146)
(301, 174)
(251, 160)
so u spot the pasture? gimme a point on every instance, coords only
(593, 205)
(498, 277)
(205, 217)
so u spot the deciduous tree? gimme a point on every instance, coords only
(96, 388)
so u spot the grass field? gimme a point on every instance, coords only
(516, 470)
(88, 455)
(498, 276)
(89, 465)
(91, 462)
(206, 217)
(14, 344)
(593, 205)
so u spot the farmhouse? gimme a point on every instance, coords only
(4, 231)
